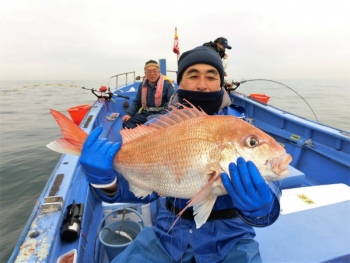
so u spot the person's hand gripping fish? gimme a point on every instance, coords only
(97, 160)
(249, 192)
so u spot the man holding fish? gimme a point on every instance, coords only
(228, 198)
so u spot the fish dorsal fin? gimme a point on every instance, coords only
(132, 134)
(177, 114)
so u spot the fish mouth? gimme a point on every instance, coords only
(279, 165)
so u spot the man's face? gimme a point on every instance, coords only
(200, 77)
(152, 74)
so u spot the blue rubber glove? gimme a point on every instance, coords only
(97, 160)
(247, 188)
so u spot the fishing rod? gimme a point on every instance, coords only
(105, 93)
(244, 81)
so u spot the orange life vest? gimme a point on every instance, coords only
(157, 95)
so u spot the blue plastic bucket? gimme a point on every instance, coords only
(115, 244)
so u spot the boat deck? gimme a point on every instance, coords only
(313, 226)
(319, 233)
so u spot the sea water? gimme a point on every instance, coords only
(26, 126)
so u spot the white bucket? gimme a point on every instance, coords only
(113, 243)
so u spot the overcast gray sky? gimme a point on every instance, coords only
(92, 40)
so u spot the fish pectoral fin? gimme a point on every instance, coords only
(202, 202)
(202, 211)
(139, 192)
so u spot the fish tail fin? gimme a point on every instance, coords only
(202, 203)
(73, 136)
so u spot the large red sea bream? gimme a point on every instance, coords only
(183, 153)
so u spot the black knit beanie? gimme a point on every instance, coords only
(200, 55)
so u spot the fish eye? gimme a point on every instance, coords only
(252, 141)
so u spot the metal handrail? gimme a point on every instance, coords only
(131, 72)
(126, 74)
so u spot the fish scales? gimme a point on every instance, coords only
(173, 161)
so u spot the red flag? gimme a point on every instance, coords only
(176, 48)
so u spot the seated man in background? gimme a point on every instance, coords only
(153, 93)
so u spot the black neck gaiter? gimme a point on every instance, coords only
(209, 102)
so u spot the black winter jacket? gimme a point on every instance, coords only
(213, 46)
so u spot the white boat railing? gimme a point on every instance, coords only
(126, 74)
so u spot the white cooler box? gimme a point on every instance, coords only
(304, 198)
